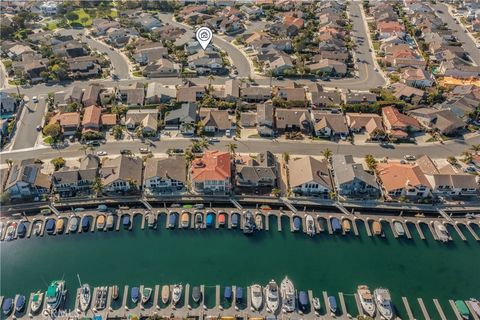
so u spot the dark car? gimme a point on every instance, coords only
(125, 151)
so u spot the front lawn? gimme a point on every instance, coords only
(79, 18)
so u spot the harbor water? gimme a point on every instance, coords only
(334, 263)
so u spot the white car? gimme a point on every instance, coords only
(35, 99)
(144, 150)
(409, 157)
(102, 153)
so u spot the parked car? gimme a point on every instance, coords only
(35, 99)
(39, 128)
(228, 133)
(144, 150)
(125, 151)
(409, 157)
(102, 153)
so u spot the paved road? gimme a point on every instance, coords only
(463, 36)
(3, 76)
(26, 132)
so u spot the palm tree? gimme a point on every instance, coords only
(270, 74)
(452, 160)
(211, 78)
(199, 128)
(187, 126)
(117, 131)
(467, 157)
(286, 157)
(327, 154)
(97, 186)
(9, 163)
(231, 148)
(203, 143)
(371, 162)
(139, 131)
(475, 148)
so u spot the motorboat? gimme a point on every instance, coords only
(55, 295)
(332, 304)
(210, 220)
(50, 226)
(346, 225)
(165, 294)
(101, 298)
(85, 224)
(399, 228)
(475, 304)
(101, 222)
(7, 306)
(146, 294)
(235, 219)
(383, 302)
(196, 294)
(288, 295)
(110, 221)
(36, 303)
(176, 293)
(239, 295)
(85, 297)
(172, 219)
(37, 228)
(73, 224)
(303, 300)
(115, 292)
(297, 223)
(19, 302)
(272, 296)
(134, 294)
(151, 220)
(102, 208)
(336, 226)
(126, 221)
(198, 220)
(462, 309)
(366, 300)
(227, 293)
(316, 304)
(259, 222)
(441, 231)
(257, 296)
(185, 220)
(21, 230)
(59, 225)
(10, 234)
(249, 223)
(310, 225)
(377, 228)
(222, 218)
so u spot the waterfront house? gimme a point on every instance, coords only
(257, 172)
(167, 175)
(211, 173)
(72, 182)
(352, 180)
(26, 181)
(450, 185)
(309, 176)
(182, 119)
(122, 174)
(402, 180)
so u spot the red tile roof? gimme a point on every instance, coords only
(213, 165)
(397, 119)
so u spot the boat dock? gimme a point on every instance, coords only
(408, 309)
(439, 309)
(424, 309)
(455, 310)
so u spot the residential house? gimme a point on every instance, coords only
(148, 22)
(161, 68)
(91, 95)
(352, 180)
(190, 92)
(91, 118)
(416, 77)
(167, 175)
(408, 94)
(68, 121)
(121, 174)
(183, 119)
(248, 119)
(146, 118)
(149, 53)
(101, 26)
(360, 98)
(49, 8)
(73, 95)
(450, 185)
(257, 172)
(205, 63)
(211, 173)
(8, 104)
(119, 37)
(83, 67)
(131, 95)
(158, 93)
(328, 66)
(329, 124)
(27, 181)
(398, 125)
(108, 120)
(72, 182)
(255, 94)
(442, 120)
(403, 180)
(215, 121)
(386, 29)
(309, 176)
(293, 120)
(294, 95)
(265, 119)
(369, 123)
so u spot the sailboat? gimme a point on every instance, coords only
(84, 295)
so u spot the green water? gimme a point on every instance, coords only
(411, 268)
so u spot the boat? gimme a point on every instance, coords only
(235, 219)
(303, 300)
(332, 304)
(73, 224)
(101, 222)
(146, 294)
(165, 294)
(36, 303)
(110, 221)
(316, 304)
(115, 292)
(249, 224)
(50, 226)
(85, 224)
(227, 293)
(151, 220)
(196, 294)
(441, 231)
(239, 294)
(297, 223)
(21, 230)
(258, 222)
(101, 298)
(272, 296)
(462, 309)
(134, 294)
(346, 225)
(198, 220)
(475, 304)
(257, 296)
(399, 228)
(55, 295)
(209, 221)
(288, 295)
(377, 228)
(37, 229)
(102, 208)
(185, 220)
(59, 226)
(222, 218)
(176, 293)
(19, 302)
(336, 226)
(10, 235)
(366, 300)
(7, 306)
(126, 221)
(172, 219)
(383, 302)
(85, 297)
(310, 225)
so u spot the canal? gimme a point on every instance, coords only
(333, 263)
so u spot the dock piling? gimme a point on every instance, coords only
(439, 309)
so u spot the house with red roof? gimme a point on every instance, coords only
(387, 29)
(211, 173)
(398, 125)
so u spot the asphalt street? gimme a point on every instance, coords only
(26, 132)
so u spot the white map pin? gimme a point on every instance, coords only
(204, 36)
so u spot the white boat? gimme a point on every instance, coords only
(176, 293)
(310, 225)
(399, 228)
(101, 298)
(146, 293)
(475, 304)
(273, 296)
(257, 296)
(366, 300)
(37, 229)
(10, 235)
(37, 302)
(85, 297)
(316, 304)
(441, 231)
(55, 296)
(165, 294)
(288, 295)
(383, 302)
(73, 223)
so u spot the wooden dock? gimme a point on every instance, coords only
(217, 296)
(155, 296)
(367, 226)
(472, 312)
(124, 298)
(420, 231)
(455, 310)
(359, 305)
(426, 316)
(408, 309)
(439, 309)
(474, 234)
(343, 305)
(186, 298)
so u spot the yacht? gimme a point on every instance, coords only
(151, 220)
(55, 296)
(249, 223)
(273, 296)
(115, 292)
(441, 231)
(7, 306)
(288, 295)
(303, 301)
(310, 225)
(475, 304)
(36, 303)
(176, 293)
(366, 300)
(73, 224)
(316, 304)
(110, 221)
(37, 229)
(198, 220)
(19, 302)
(146, 293)
(196, 294)
(332, 304)
(134, 295)
(383, 302)
(11, 231)
(165, 294)
(399, 228)
(257, 296)
(185, 219)
(85, 297)
(259, 222)
(101, 298)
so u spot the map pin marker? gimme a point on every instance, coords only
(204, 35)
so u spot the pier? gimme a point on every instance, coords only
(439, 309)
(407, 308)
(423, 308)
(455, 310)
(472, 312)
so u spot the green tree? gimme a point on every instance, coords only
(475, 148)
(53, 130)
(231, 148)
(467, 157)
(97, 186)
(117, 132)
(58, 163)
(371, 162)
(452, 160)
(286, 157)
(139, 131)
(327, 154)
